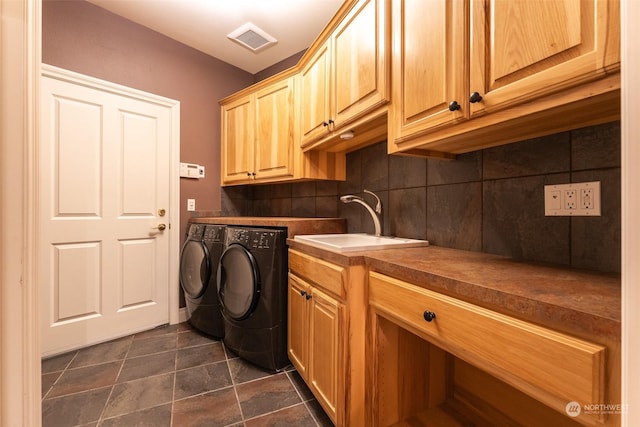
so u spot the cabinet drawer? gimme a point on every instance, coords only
(330, 277)
(537, 360)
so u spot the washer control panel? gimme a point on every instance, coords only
(213, 233)
(263, 239)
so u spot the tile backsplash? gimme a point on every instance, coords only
(490, 200)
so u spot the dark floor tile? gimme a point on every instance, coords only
(243, 371)
(200, 355)
(202, 379)
(146, 366)
(297, 415)
(319, 414)
(193, 338)
(140, 394)
(300, 385)
(160, 330)
(57, 363)
(160, 416)
(48, 380)
(266, 395)
(152, 345)
(104, 352)
(185, 326)
(219, 408)
(87, 378)
(75, 409)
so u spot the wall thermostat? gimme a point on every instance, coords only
(191, 170)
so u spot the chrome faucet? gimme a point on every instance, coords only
(375, 214)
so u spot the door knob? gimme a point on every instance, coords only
(162, 212)
(160, 227)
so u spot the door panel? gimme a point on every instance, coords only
(104, 173)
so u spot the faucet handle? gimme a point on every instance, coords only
(378, 202)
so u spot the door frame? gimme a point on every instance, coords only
(173, 209)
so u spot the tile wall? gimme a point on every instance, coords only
(490, 200)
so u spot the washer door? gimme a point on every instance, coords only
(238, 282)
(195, 268)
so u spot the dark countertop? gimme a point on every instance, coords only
(580, 302)
(294, 225)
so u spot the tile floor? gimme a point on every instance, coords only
(171, 376)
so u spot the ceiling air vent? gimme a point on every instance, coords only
(251, 37)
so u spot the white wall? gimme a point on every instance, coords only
(631, 212)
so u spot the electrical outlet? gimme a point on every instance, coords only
(570, 202)
(586, 198)
(575, 199)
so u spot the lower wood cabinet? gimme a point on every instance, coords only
(435, 357)
(315, 347)
(326, 339)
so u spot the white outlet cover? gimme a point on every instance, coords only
(585, 200)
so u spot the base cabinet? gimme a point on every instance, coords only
(326, 334)
(315, 347)
(434, 357)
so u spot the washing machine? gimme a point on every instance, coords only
(252, 287)
(199, 261)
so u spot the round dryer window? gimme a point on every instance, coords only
(238, 282)
(195, 269)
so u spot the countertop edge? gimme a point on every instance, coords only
(558, 315)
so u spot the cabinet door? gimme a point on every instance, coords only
(275, 130)
(237, 140)
(360, 61)
(428, 69)
(522, 50)
(298, 318)
(324, 351)
(314, 105)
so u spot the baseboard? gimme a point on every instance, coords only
(182, 315)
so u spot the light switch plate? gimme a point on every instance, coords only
(575, 199)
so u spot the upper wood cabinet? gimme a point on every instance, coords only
(474, 73)
(347, 77)
(258, 134)
(260, 138)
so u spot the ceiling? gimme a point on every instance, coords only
(204, 24)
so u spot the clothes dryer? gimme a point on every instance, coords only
(252, 287)
(199, 260)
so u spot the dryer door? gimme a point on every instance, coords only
(238, 282)
(195, 268)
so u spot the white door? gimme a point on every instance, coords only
(103, 183)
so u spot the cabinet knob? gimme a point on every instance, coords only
(475, 97)
(454, 106)
(331, 121)
(429, 316)
(308, 296)
(325, 124)
(303, 293)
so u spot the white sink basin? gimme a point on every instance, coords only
(357, 242)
